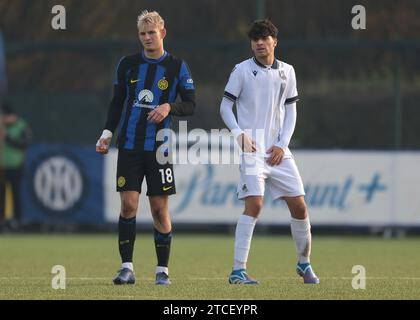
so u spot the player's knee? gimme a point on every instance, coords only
(300, 211)
(128, 209)
(254, 207)
(258, 207)
(158, 210)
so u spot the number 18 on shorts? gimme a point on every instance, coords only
(133, 167)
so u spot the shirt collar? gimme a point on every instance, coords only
(275, 64)
(154, 60)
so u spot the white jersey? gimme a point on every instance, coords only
(261, 93)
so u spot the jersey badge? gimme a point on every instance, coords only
(163, 84)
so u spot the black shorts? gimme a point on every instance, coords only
(133, 166)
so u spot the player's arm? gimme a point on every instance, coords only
(289, 123)
(288, 126)
(277, 151)
(232, 91)
(114, 111)
(185, 107)
(226, 112)
(186, 90)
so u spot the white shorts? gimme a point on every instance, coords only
(282, 181)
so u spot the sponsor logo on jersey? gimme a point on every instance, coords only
(144, 99)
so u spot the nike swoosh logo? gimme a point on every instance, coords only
(134, 81)
(166, 188)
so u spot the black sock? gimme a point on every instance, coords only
(163, 247)
(126, 238)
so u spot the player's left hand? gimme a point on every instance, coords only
(276, 155)
(159, 113)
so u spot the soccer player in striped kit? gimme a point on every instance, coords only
(145, 89)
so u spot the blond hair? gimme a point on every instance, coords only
(152, 17)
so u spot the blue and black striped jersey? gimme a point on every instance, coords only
(142, 84)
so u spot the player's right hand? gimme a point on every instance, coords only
(246, 144)
(102, 146)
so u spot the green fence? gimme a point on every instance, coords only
(354, 94)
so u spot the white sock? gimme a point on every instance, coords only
(162, 269)
(128, 265)
(301, 233)
(243, 236)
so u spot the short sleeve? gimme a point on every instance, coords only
(234, 86)
(291, 90)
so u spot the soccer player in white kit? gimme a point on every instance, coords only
(264, 91)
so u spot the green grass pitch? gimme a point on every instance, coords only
(200, 265)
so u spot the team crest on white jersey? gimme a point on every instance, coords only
(282, 75)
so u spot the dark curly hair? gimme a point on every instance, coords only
(261, 29)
